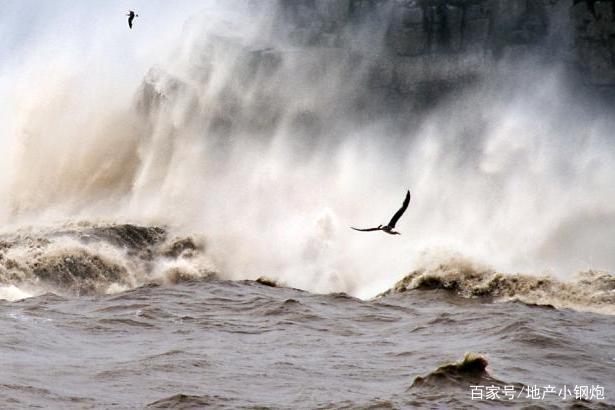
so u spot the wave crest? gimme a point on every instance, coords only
(592, 291)
(91, 259)
(470, 370)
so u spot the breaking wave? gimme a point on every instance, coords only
(186, 401)
(270, 127)
(94, 259)
(471, 370)
(591, 291)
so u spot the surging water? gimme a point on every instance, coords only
(147, 172)
(270, 151)
(240, 344)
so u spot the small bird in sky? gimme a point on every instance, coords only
(131, 16)
(390, 227)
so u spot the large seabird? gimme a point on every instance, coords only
(390, 227)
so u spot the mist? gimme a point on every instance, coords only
(219, 121)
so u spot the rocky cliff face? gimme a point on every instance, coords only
(462, 35)
(594, 41)
(321, 60)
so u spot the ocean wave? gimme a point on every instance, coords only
(591, 291)
(471, 370)
(92, 259)
(265, 281)
(186, 401)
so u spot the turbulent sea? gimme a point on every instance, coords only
(184, 338)
(176, 202)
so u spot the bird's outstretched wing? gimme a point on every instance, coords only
(401, 211)
(365, 230)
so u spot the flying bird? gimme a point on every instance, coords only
(390, 228)
(131, 16)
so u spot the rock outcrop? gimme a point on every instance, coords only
(577, 33)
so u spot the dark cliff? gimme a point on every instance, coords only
(311, 62)
(465, 34)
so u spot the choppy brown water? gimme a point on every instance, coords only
(190, 341)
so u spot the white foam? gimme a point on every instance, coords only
(517, 175)
(13, 293)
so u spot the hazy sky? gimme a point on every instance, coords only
(80, 47)
(84, 28)
(41, 40)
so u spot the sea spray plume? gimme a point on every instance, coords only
(297, 126)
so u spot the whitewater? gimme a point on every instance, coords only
(176, 203)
